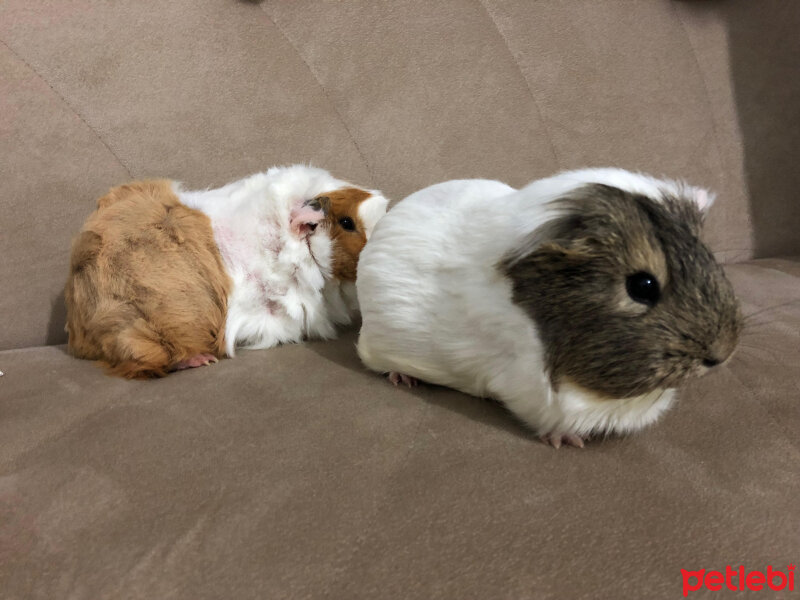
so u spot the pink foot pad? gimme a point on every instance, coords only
(398, 378)
(200, 360)
(304, 219)
(557, 439)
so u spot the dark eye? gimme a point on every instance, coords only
(347, 224)
(643, 287)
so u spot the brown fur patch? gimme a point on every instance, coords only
(146, 287)
(347, 245)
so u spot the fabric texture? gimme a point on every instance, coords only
(295, 473)
(247, 480)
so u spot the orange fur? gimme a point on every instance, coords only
(147, 287)
(347, 245)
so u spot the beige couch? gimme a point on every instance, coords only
(293, 472)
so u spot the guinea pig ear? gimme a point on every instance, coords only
(550, 239)
(690, 206)
(322, 203)
(702, 198)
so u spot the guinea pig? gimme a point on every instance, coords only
(580, 301)
(162, 278)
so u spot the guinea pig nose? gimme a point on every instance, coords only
(720, 351)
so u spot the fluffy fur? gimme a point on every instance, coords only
(146, 288)
(277, 255)
(520, 296)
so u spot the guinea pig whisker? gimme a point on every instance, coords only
(753, 332)
(751, 326)
(748, 346)
(769, 308)
(751, 344)
(757, 333)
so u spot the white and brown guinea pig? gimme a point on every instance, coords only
(580, 301)
(162, 278)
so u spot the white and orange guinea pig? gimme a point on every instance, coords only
(580, 301)
(163, 279)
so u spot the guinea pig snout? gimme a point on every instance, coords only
(721, 350)
(322, 203)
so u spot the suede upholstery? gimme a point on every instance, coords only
(293, 472)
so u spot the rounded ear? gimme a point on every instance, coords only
(322, 203)
(702, 198)
(549, 241)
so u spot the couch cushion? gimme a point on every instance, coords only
(294, 473)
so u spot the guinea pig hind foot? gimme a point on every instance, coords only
(556, 439)
(397, 378)
(199, 360)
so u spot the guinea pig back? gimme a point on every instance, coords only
(146, 287)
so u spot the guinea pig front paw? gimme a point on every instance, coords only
(200, 360)
(556, 439)
(398, 378)
(304, 219)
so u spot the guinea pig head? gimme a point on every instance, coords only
(351, 216)
(625, 297)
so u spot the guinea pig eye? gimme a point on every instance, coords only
(347, 224)
(643, 287)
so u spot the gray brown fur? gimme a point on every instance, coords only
(570, 278)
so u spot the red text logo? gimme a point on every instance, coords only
(738, 579)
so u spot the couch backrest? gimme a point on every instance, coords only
(395, 95)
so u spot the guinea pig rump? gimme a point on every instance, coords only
(146, 288)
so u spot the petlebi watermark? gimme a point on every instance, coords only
(738, 579)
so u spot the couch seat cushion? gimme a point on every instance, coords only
(294, 473)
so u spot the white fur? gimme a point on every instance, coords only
(282, 285)
(636, 183)
(435, 306)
